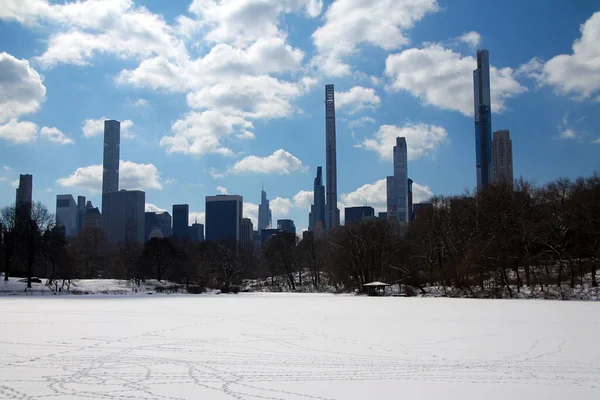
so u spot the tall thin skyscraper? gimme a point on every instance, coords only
(397, 185)
(110, 171)
(333, 213)
(502, 160)
(316, 217)
(483, 119)
(264, 212)
(24, 200)
(67, 214)
(181, 214)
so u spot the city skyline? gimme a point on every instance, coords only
(271, 118)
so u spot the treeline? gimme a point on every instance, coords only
(491, 243)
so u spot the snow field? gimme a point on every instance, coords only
(296, 346)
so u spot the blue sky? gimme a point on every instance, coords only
(223, 96)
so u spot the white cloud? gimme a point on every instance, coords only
(443, 78)
(242, 21)
(15, 183)
(375, 195)
(251, 211)
(6, 168)
(280, 207)
(566, 130)
(421, 140)
(18, 131)
(280, 162)
(170, 181)
(214, 173)
(132, 176)
(141, 103)
(350, 23)
(472, 38)
(49, 190)
(95, 127)
(55, 135)
(303, 199)
(21, 88)
(576, 74)
(152, 208)
(197, 217)
(357, 99)
(221, 190)
(597, 141)
(360, 122)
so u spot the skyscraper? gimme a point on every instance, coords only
(246, 233)
(127, 217)
(67, 214)
(181, 214)
(264, 212)
(110, 171)
(397, 185)
(24, 200)
(502, 161)
(80, 212)
(286, 225)
(316, 217)
(483, 119)
(409, 213)
(224, 217)
(196, 232)
(157, 220)
(354, 215)
(332, 219)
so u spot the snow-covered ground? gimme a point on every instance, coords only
(296, 346)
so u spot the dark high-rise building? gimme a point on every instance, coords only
(316, 217)
(92, 219)
(409, 212)
(196, 232)
(224, 217)
(483, 119)
(266, 234)
(422, 210)
(332, 219)
(110, 173)
(382, 215)
(502, 160)
(157, 220)
(67, 214)
(264, 212)
(127, 217)
(246, 233)
(357, 214)
(181, 216)
(397, 185)
(286, 225)
(80, 212)
(24, 200)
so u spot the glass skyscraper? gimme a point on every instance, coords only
(397, 185)
(483, 119)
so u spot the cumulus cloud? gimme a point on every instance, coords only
(221, 190)
(152, 208)
(196, 216)
(95, 127)
(443, 78)
(251, 211)
(132, 176)
(472, 38)
(280, 206)
(350, 23)
(280, 162)
(567, 131)
(576, 74)
(55, 135)
(357, 123)
(18, 132)
(141, 103)
(21, 88)
(303, 199)
(375, 195)
(421, 140)
(357, 99)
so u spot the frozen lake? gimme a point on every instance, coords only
(290, 346)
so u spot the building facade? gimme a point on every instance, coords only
(483, 119)
(397, 185)
(80, 212)
(316, 217)
(92, 219)
(357, 214)
(181, 216)
(286, 225)
(110, 173)
(157, 220)
(223, 217)
(502, 160)
(264, 211)
(127, 217)
(196, 232)
(332, 219)
(246, 233)
(67, 214)
(24, 199)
